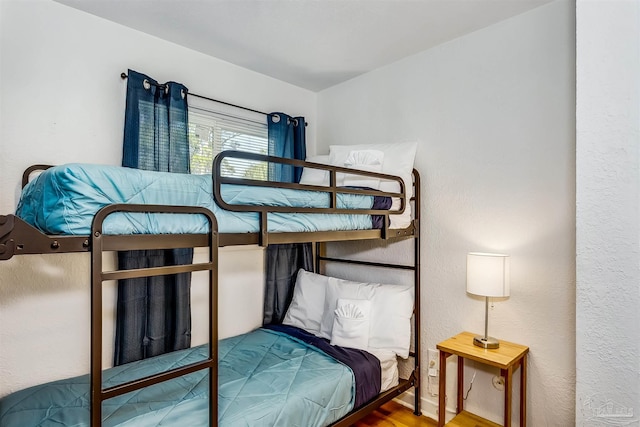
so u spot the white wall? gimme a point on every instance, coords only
(62, 100)
(608, 213)
(494, 114)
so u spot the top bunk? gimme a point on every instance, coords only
(58, 205)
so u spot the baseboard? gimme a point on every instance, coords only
(428, 407)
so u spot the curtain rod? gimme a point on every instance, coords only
(124, 76)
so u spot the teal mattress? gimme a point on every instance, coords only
(266, 378)
(63, 200)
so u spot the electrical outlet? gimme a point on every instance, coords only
(434, 359)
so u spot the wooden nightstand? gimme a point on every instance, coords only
(508, 357)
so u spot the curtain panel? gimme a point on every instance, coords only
(154, 313)
(156, 128)
(286, 139)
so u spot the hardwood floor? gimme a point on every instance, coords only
(394, 414)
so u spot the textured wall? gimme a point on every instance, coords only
(494, 114)
(608, 213)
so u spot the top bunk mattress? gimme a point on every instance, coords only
(63, 200)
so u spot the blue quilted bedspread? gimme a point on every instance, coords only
(265, 379)
(64, 199)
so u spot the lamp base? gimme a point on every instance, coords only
(487, 342)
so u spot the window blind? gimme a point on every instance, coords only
(211, 132)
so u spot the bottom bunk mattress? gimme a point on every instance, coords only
(266, 378)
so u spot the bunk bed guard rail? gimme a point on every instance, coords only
(332, 189)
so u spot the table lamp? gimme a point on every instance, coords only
(487, 276)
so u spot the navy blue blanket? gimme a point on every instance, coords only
(379, 202)
(365, 366)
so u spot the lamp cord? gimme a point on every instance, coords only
(470, 384)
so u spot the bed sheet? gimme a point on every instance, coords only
(265, 379)
(389, 375)
(63, 200)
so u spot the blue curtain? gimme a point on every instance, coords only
(156, 128)
(154, 314)
(286, 139)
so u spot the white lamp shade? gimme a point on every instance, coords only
(488, 274)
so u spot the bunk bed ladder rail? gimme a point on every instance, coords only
(101, 243)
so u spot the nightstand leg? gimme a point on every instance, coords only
(442, 385)
(459, 403)
(523, 391)
(508, 395)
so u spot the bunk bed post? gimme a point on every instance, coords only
(96, 328)
(416, 273)
(319, 253)
(213, 323)
(263, 239)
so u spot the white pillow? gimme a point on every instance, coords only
(366, 160)
(337, 289)
(351, 324)
(311, 176)
(391, 311)
(392, 308)
(398, 160)
(307, 305)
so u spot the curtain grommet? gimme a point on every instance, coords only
(275, 118)
(146, 84)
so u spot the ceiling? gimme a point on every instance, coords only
(313, 44)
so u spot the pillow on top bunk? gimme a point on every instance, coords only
(307, 306)
(398, 159)
(390, 315)
(366, 160)
(311, 176)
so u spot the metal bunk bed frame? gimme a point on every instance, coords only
(19, 238)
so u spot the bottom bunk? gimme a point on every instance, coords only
(277, 376)
(333, 361)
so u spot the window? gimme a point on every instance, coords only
(213, 132)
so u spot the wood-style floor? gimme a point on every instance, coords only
(393, 414)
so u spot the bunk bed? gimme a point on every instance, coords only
(349, 392)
